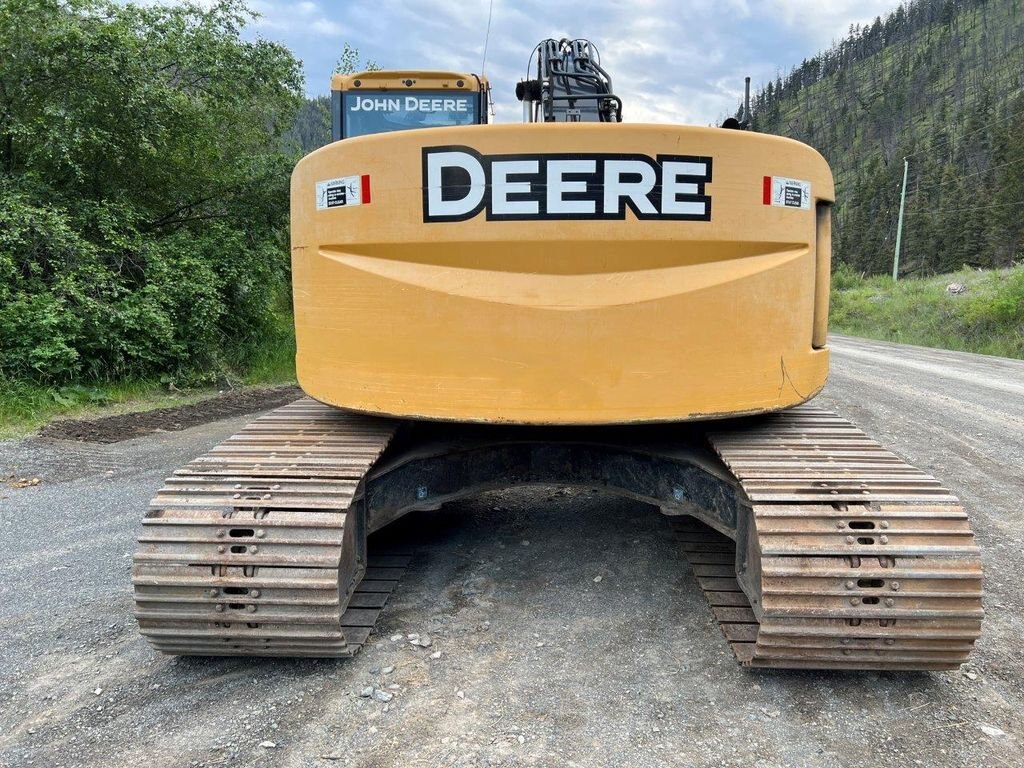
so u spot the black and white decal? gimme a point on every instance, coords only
(343, 192)
(459, 183)
(783, 192)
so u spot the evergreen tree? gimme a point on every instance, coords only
(937, 81)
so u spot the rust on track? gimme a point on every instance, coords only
(847, 556)
(257, 548)
(859, 561)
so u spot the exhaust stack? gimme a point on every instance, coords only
(745, 123)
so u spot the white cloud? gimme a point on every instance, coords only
(327, 28)
(296, 23)
(823, 21)
(670, 60)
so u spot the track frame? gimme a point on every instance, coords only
(816, 547)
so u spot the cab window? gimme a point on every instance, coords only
(366, 112)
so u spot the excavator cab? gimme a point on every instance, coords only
(383, 101)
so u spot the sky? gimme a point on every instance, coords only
(671, 61)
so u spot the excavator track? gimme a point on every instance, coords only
(839, 555)
(861, 561)
(258, 547)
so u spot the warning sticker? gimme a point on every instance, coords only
(787, 193)
(343, 192)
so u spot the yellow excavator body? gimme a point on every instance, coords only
(555, 273)
(569, 271)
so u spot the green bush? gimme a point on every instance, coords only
(988, 317)
(1002, 307)
(845, 277)
(143, 189)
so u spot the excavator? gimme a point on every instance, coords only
(576, 301)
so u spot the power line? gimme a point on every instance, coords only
(487, 36)
(1012, 204)
(949, 138)
(919, 189)
(1011, 65)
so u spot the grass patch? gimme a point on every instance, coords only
(26, 406)
(269, 359)
(987, 318)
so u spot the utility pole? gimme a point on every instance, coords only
(899, 225)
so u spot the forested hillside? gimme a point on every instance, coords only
(312, 128)
(941, 83)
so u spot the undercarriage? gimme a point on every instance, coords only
(815, 546)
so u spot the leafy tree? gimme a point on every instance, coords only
(143, 186)
(348, 62)
(312, 128)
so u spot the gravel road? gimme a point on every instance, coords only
(541, 663)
